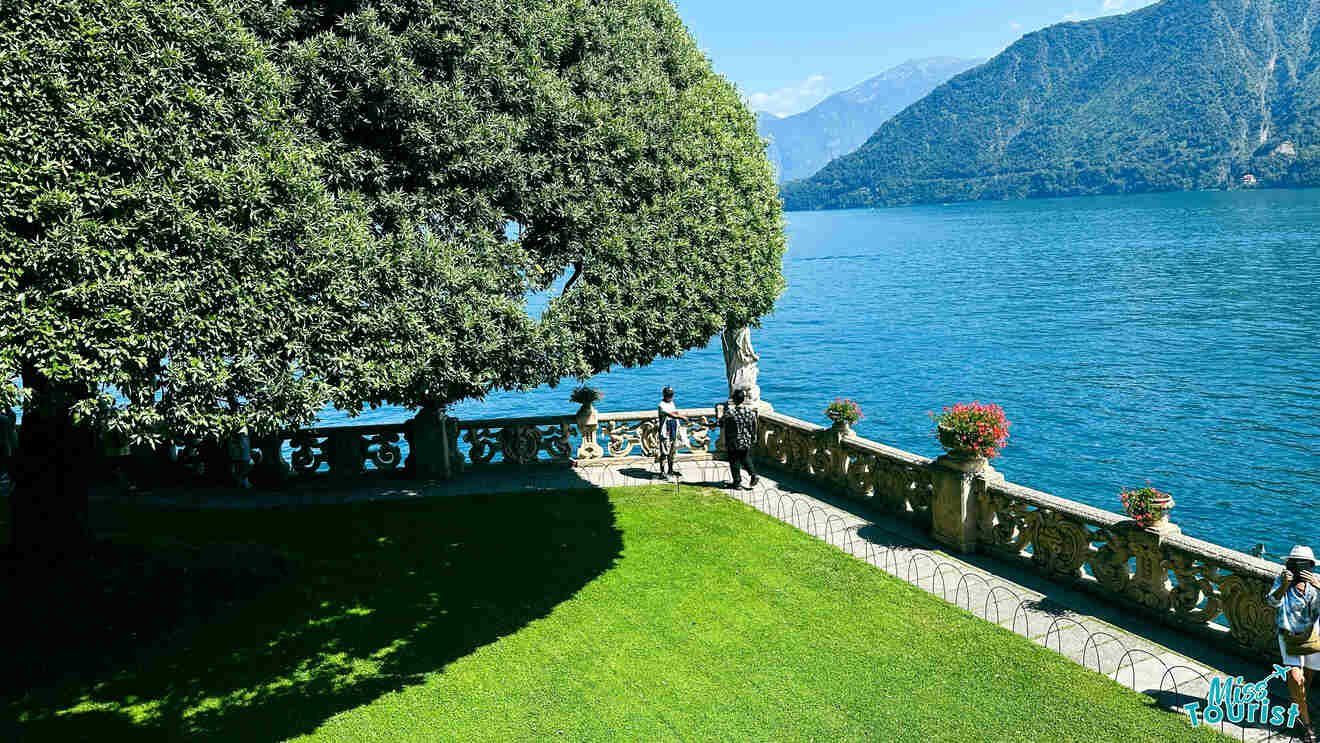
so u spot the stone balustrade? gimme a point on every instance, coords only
(1194, 585)
(339, 451)
(888, 479)
(1190, 583)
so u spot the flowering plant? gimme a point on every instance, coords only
(843, 410)
(585, 395)
(1145, 505)
(980, 429)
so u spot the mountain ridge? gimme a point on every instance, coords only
(1180, 95)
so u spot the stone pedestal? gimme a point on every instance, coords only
(346, 454)
(588, 421)
(430, 455)
(270, 470)
(954, 510)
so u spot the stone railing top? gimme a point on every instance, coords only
(887, 452)
(1238, 562)
(789, 420)
(535, 420)
(1080, 511)
(633, 415)
(852, 440)
(361, 429)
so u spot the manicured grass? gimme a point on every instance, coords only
(633, 615)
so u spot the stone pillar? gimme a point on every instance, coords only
(347, 453)
(954, 510)
(588, 421)
(270, 469)
(838, 457)
(428, 450)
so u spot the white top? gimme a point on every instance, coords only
(666, 410)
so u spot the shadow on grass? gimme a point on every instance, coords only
(361, 600)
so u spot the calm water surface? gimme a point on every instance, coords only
(1170, 338)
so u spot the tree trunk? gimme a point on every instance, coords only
(48, 506)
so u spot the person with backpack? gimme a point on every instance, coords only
(739, 423)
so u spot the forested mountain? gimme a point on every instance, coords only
(802, 144)
(1183, 94)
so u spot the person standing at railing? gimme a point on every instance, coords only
(672, 435)
(1296, 595)
(739, 424)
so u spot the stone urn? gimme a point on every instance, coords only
(949, 440)
(842, 428)
(1162, 525)
(588, 420)
(959, 458)
(587, 415)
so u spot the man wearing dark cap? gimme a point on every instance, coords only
(671, 434)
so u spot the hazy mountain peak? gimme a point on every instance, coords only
(803, 143)
(917, 72)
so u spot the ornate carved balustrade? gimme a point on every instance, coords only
(625, 435)
(476, 444)
(514, 441)
(890, 479)
(637, 434)
(1190, 583)
(340, 450)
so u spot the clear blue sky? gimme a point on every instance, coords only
(786, 56)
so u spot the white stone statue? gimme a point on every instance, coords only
(740, 362)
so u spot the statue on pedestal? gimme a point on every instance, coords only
(740, 363)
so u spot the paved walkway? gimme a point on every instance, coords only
(1140, 654)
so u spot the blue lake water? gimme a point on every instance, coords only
(1167, 337)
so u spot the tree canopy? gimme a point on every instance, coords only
(167, 233)
(596, 127)
(238, 212)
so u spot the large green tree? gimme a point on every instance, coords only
(236, 213)
(597, 127)
(167, 235)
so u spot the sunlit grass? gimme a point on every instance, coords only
(634, 615)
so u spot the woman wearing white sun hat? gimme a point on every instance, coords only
(1296, 594)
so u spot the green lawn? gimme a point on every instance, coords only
(629, 615)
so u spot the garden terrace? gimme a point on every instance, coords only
(660, 613)
(1195, 586)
